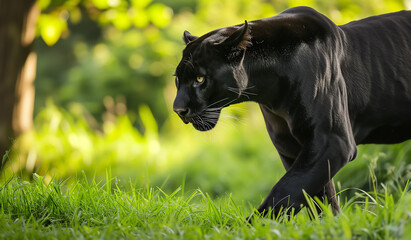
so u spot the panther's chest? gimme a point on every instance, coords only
(280, 134)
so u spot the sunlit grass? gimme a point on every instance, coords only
(237, 157)
(234, 170)
(87, 209)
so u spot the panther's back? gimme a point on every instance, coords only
(377, 72)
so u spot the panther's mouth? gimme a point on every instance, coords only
(205, 121)
(204, 126)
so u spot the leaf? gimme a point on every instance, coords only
(101, 4)
(51, 28)
(148, 120)
(140, 3)
(43, 4)
(75, 15)
(141, 19)
(160, 14)
(5, 157)
(121, 20)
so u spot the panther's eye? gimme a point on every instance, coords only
(200, 79)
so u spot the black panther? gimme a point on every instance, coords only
(323, 89)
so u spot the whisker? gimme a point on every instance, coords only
(238, 92)
(212, 114)
(227, 116)
(210, 134)
(248, 93)
(219, 108)
(234, 118)
(228, 124)
(247, 88)
(242, 92)
(216, 102)
(250, 87)
(234, 90)
(237, 109)
(201, 121)
(227, 103)
(213, 110)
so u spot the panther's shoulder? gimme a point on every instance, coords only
(293, 26)
(301, 10)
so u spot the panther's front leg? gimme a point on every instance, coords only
(314, 167)
(328, 192)
(288, 148)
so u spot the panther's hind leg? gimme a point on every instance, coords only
(332, 196)
(329, 193)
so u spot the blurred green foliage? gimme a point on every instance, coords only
(130, 48)
(104, 91)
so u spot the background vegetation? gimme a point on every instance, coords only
(104, 91)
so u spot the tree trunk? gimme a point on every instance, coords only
(17, 68)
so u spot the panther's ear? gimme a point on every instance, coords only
(187, 37)
(239, 39)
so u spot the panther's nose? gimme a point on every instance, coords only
(182, 112)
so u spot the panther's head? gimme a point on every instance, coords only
(211, 75)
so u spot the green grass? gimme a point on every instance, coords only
(88, 210)
(239, 159)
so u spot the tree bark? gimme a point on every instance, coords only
(17, 68)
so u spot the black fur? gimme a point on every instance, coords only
(322, 89)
